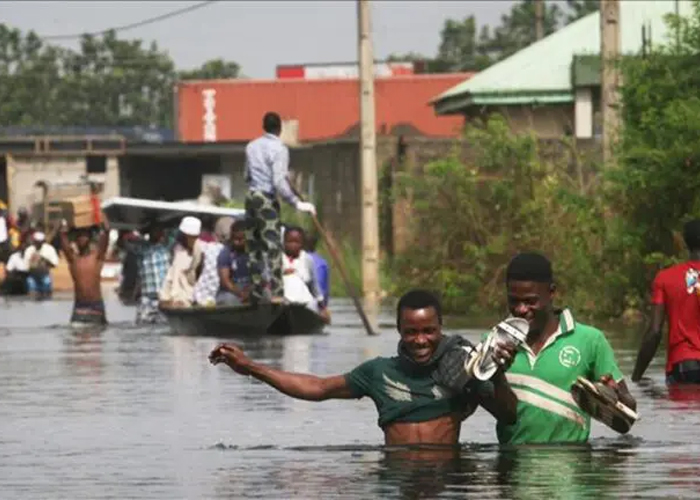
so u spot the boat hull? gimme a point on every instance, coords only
(244, 321)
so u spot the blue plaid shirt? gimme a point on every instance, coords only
(154, 262)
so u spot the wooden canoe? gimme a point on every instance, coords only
(245, 320)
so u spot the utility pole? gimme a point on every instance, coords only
(368, 149)
(609, 74)
(539, 19)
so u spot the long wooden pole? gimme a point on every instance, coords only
(370, 210)
(539, 19)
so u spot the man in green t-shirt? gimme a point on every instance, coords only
(556, 352)
(415, 405)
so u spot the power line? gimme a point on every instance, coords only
(138, 24)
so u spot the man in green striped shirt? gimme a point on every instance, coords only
(556, 352)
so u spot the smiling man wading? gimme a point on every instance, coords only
(556, 352)
(414, 404)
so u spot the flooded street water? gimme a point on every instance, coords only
(140, 413)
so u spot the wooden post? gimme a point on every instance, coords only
(370, 210)
(539, 19)
(610, 74)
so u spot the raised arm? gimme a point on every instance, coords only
(103, 241)
(296, 385)
(65, 244)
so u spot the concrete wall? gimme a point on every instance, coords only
(233, 165)
(24, 171)
(547, 121)
(333, 169)
(167, 178)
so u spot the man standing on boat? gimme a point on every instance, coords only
(414, 408)
(556, 352)
(266, 169)
(675, 294)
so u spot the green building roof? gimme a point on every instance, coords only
(542, 72)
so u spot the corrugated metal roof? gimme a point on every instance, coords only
(324, 109)
(545, 66)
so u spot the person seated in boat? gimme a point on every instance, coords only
(234, 275)
(322, 269)
(299, 273)
(208, 283)
(186, 266)
(39, 259)
(15, 282)
(152, 260)
(85, 266)
(413, 408)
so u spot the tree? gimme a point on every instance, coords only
(213, 69)
(517, 29)
(580, 8)
(117, 82)
(459, 48)
(106, 82)
(655, 187)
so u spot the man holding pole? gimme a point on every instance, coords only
(266, 169)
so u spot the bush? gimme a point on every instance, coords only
(654, 186)
(471, 219)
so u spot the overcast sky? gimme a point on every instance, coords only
(257, 34)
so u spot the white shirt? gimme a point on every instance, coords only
(3, 229)
(301, 286)
(16, 263)
(267, 166)
(46, 252)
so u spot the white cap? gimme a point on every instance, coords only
(38, 236)
(191, 226)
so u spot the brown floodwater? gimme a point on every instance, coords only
(139, 413)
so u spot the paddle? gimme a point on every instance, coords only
(332, 249)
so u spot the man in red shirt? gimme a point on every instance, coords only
(676, 296)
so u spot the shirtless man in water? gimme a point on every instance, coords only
(85, 268)
(412, 408)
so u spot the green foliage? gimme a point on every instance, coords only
(464, 46)
(654, 187)
(471, 218)
(106, 82)
(211, 70)
(606, 245)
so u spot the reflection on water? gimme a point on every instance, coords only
(132, 412)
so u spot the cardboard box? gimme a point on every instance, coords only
(76, 211)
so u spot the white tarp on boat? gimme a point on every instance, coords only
(135, 213)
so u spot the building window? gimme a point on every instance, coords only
(96, 164)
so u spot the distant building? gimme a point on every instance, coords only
(314, 109)
(312, 71)
(553, 86)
